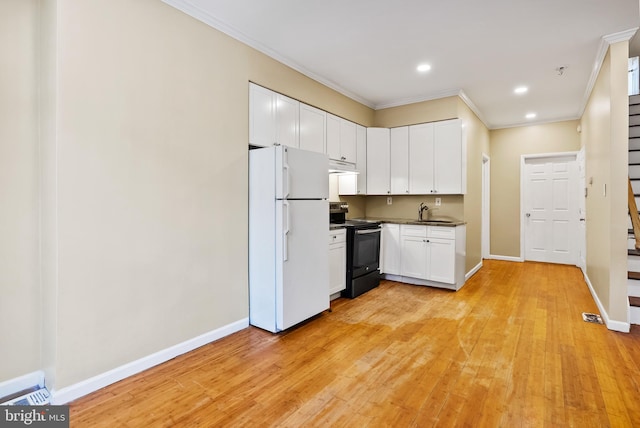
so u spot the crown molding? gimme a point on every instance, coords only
(201, 15)
(465, 98)
(538, 122)
(605, 41)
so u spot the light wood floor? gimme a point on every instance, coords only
(508, 350)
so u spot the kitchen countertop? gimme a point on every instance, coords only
(335, 226)
(445, 222)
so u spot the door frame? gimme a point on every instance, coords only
(523, 159)
(486, 207)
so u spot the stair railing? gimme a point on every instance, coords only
(635, 218)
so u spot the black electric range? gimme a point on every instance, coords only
(363, 251)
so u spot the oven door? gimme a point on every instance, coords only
(366, 251)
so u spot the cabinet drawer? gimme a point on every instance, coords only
(441, 232)
(413, 230)
(336, 236)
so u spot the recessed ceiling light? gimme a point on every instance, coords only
(422, 68)
(521, 90)
(531, 116)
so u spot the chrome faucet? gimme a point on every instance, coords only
(422, 209)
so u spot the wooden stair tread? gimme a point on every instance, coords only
(633, 275)
(634, 301)
(633, 252)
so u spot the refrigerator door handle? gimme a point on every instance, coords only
(285, 173)
(285, 232)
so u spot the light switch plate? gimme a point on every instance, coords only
(438, 202)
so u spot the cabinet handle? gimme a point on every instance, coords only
(343, 158)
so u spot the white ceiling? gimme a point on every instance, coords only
(369, 49)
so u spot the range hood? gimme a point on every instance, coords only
(343, 168)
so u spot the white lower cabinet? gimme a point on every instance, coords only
(425, 255)
(337, 260)
(390, 249)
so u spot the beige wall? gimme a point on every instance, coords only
(411, 114)
(605, 138)
(20, 305)
(143, 151)
(406, 206)
(477, 136)
(507, 147)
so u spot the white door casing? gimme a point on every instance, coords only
(486, 206)
(582, 211)
(550, 208)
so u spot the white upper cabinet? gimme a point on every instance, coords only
(341, 139)
(378, 168)
(273, 118)
(348, 141)
(288, 121)
(333, 136)
(399, 160)
(356, 184)
(421, 159)
(262, 116)
(449, 157)
(312, 128)
(437, 161)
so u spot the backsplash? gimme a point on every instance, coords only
(405, 206)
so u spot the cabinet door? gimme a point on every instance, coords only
(361, 159)
(442, 260)
(333, 136)
(378, 161)
(348, 141)
(414, 257)
(399, 160)
(356, 184)
(337, 267)
(421, 159)
(262, 116)
(390, 249)
(447, 156)
(312, 128)
(288, 121)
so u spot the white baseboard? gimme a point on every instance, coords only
(506, 258)
(623, 327)
(70, 393)
(20, 383)
(472, 272)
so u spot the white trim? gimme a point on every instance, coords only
(20, 383)
(605, 41)
(505, 258)
(473, 271)
(94, 383)
(203, 16)
(537, 122)
(465, 98)
(485, 227)
(623, 327)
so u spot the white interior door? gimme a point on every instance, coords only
(550, 209)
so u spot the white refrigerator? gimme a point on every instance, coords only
(288, 236)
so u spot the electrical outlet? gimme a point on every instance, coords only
(438, 202)
(389, 200)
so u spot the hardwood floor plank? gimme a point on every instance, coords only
(508, 349)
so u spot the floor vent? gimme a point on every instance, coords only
(594, 318)
(38, 397)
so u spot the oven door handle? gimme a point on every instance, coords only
(367, 231)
